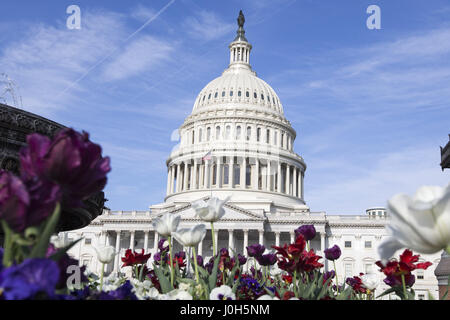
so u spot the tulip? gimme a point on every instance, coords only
(105, 254)
(370, 281)
(190, 237)
(165, 226)
(333, 253)
(420, 223)
(255, 250)
(70, 160)
(210, 211)
(308, 231)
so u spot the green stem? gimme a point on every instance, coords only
(448, 249)
(213, 238)
(196, 266)
(404, 286)
(294, 283)
(171, 260)
(336, 275)
(102, 272)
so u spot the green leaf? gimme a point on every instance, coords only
(163, 280)
(41, 246)
(213, 276)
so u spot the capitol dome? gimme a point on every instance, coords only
(237, 142)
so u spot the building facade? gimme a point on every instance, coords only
(237, 143)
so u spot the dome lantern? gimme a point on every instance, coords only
(240, 48)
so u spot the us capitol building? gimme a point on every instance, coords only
(237, 143)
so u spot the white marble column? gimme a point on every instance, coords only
(292, 234)
(294, 180)
(269, 176)
(178, 176)
(206, 175)
(277, 238)
(117, 259)
(243, 177)
(231, 172)
(168, 181)
(245, 241)
(302, 178)
(219, 172)
(279, 178)
(132, 240)
(145, 241)
(261, 237)
(155, 244)
(185, 176)
(256, 186)
(230, 241)
(322, 242)
(288, 179)
(194, 177)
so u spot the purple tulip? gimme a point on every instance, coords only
(71, 160)
(308, 231)
(200, 260)
(267, 259)
(255, 250)
(161, 245)
(242, 259)
(14, 201)
(26, 204)
(333, 253)
(329, 275)
(32, 276)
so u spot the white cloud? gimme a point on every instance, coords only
(139, 56)
(206, 25)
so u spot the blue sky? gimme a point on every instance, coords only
(370, 107)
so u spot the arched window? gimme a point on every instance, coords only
(254, 95)
(193, 136)
(231, 93)
(247, 94)
(258, 134)
(223, 93)
(237, 173)
(238, 132)
(204, 97)
(248, 175)
(267, 136)
(282, 140)
(208, 134)
(249, 133)
(217, 132)
(227, 132)
(215, 95)
(209, 96)
(262, 96)
(239, 93)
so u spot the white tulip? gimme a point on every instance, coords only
(211, 210)
(105, 254)
(190, 237)
(370, 281)
(223, 292)
(420, 223)
(167, 224)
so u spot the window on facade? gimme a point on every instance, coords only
(348, 270)
(268, 99)
(223, 93)
(254, 95)
(275, 138)
(247, 94)
(87, 241)
(262, 96)
(420, 274)
(227, 132)
(238, 132)
(215, 95)
(249, 133)
(421, 296)
(225, 174)
(231, 93)
(237, 173)
(204, 98)
(258, 134)
(367, 244)
(208, 134)
(217, 133)
(347, 244)
(368, 268)
(267, 136)
(247, 175)
(200, 135)
(214, 180)
(209, 96)
(239, 93)
(282, 140)
(193, 136)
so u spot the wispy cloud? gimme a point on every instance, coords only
(207, 25)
